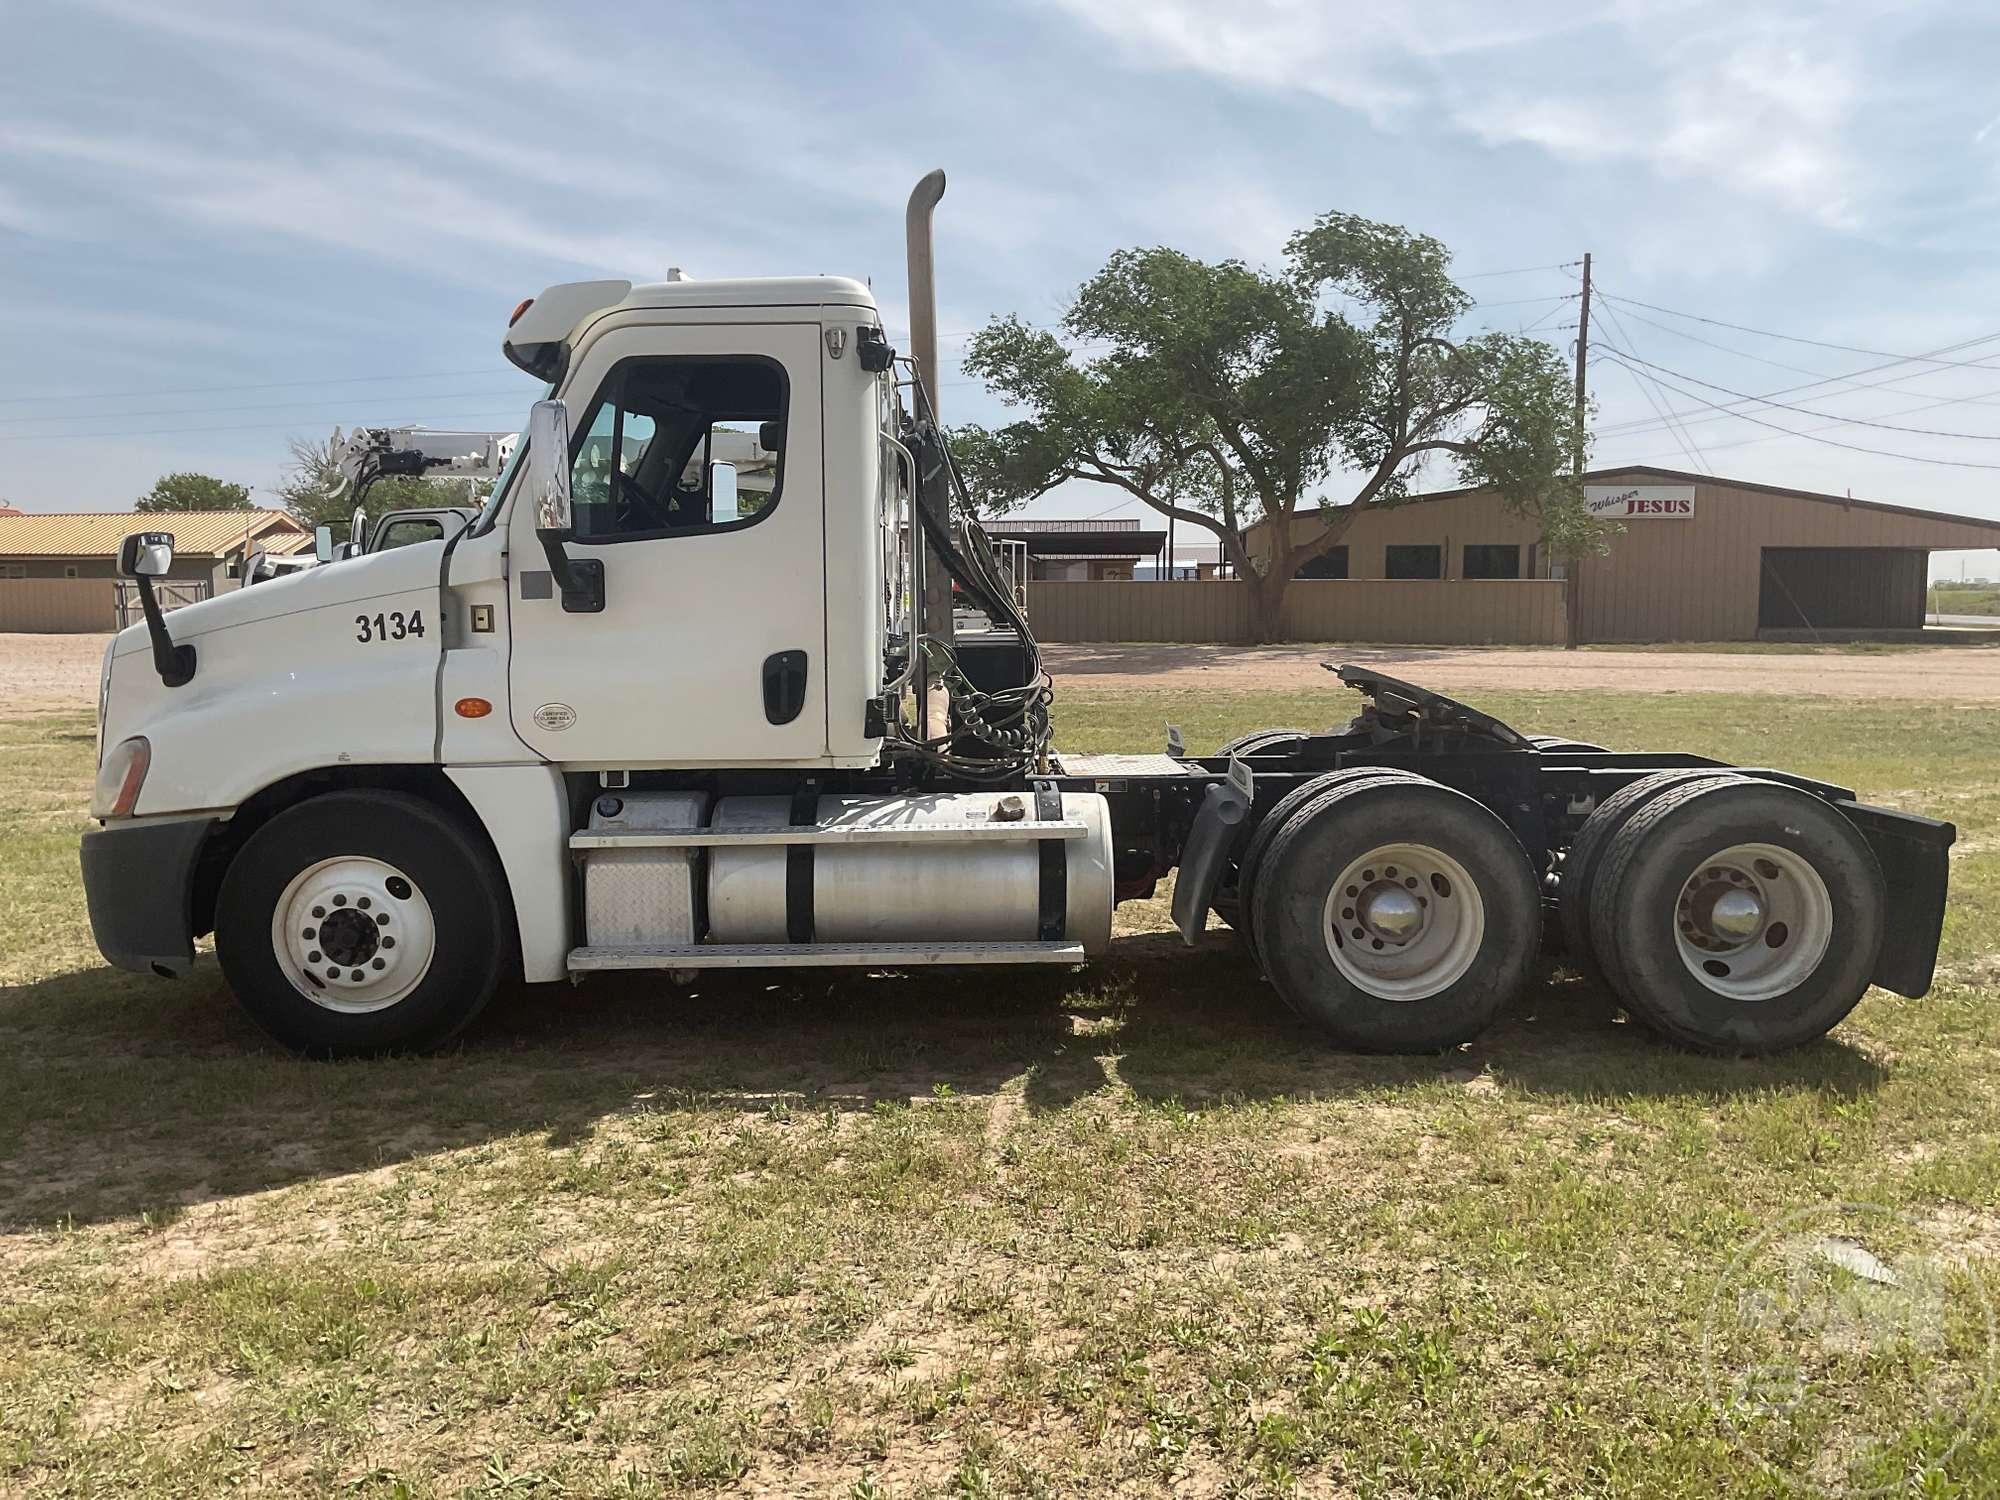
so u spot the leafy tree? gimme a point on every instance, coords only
(316, 494)
(1224, 395)
(172, 492)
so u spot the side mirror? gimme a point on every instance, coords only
(146, 554)
(581, 581)
(323, 544)
(548, 467)
(142, 557)
(722, 492)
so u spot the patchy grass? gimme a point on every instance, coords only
(1131, 1230)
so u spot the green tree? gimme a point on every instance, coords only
(1223, 396)
(316, 493)
(193, 492)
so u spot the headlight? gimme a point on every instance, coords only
(120, 778)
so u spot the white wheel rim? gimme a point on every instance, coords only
(1389, 948)
(1752, 922)
(353, 934)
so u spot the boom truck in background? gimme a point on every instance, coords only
(627, 718)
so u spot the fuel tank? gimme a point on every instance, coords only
(943, 889)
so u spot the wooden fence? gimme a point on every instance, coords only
(59, 606)
(1521, 612)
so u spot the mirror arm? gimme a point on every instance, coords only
(581, 580)
(175, 664)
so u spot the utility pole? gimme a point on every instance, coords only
(1573, 566)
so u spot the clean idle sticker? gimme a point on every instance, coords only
(554, 717)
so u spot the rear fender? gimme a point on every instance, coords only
(1224, 806)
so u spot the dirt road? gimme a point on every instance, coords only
(40, 672)
(1961, 673)
(60, 671)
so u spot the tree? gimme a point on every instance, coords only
(193, 492)
(316, 493)
(1223, 396)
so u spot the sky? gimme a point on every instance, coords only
(225, 225)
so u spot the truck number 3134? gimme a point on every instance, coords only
(390, 627)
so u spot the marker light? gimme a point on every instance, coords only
(472, 708)
(526, 303)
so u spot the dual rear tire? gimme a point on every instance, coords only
(1395, 914)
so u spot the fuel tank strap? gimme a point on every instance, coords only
(799, 867)
(1054, 912)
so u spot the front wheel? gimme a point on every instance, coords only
(1397, 915)
(362, 922)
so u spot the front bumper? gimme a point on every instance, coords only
(138, 881)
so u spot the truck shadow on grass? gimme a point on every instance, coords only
(120, 1095)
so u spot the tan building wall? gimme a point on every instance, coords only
(1699, 578)
(58, 606)
(1403, 611)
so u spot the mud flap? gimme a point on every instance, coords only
(1914, 854)
(1224, 806)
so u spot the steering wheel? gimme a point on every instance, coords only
(645, 506)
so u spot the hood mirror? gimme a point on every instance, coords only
(142, 557)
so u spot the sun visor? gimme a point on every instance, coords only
(538, 338)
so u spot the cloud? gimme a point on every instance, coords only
(1764, 109)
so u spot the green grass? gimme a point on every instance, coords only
(1128, 1230)
(1976, 599)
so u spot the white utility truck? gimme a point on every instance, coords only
(635, 716)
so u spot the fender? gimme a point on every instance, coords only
(1224, 806)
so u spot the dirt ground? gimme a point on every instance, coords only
(1964, 674)
(60, 671)
(49, 671)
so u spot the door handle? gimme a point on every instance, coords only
(784, 686)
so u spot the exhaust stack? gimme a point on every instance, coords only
(923, 285)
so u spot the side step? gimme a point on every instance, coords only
(819, 955)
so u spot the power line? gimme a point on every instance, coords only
(211, 411)
(1815, 343)
(1947, 463)
(72, 437)
(1666, 412)
(269, 385)
(1823, 427)
(1809, 411)
(1561, 265)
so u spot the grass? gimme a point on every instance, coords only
(1128, 1230)
(1974, 599)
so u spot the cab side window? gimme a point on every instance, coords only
(680, 446)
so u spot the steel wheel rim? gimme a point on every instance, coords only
(1752, 922)
(1367, 909)
(353, 934)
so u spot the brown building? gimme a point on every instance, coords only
(1093, 551)
(1698, 559)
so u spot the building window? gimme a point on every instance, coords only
(1331, 563)
(13, 570)
(1492, 560)
(1413, 562)
(69, 571)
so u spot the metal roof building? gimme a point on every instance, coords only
(1698, 558)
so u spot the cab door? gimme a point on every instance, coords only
(696, 479)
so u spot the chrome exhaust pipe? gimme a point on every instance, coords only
(923, 285)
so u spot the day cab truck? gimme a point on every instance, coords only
(635, 716)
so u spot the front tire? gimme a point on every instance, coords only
(362, 922)
(1396, 915)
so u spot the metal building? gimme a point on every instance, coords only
(1698, 559)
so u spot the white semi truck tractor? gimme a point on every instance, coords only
(637, 715)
